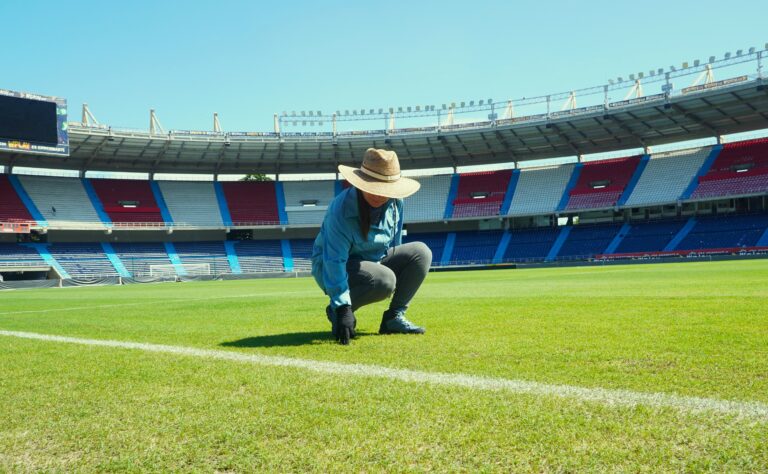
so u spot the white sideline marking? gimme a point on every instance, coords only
(614, 397)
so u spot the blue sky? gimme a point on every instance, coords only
(247, 60)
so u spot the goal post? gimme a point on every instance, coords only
(182, 269)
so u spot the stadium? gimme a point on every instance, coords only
(610, 262)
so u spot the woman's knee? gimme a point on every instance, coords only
(386, 281)
(424, 252)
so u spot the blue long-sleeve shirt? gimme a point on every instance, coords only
(340, 240)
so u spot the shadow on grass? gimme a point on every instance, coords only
(284, 340)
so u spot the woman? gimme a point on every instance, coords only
(358, 257)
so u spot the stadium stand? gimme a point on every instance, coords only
(588, 240)
(530, 244)
(307, 201)
(191, 203)
(713, 232)
(82, 260)
(539, 190)
(12, 208)
(138, 258)
(259, 255)
(475, 246)
(481, 194)
(650, 236)
(434, 240)
(666, 176)
(127, 201)
(741, 168)
(601, 183)
(212, 254)
(301, 250)
(62, 201)
(429, 203)
(252, 202)
(15, 253)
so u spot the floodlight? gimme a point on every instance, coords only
(444, 107)
(453, 105)
(480, 103)
(660, 71)
(381, 111)
(672, 68)
(311, 113)
(651, 72)
(610, 81)
(620, 79)
(409, 108)
(471, 103)
(489, 101)
(696, 63)
(738, 52)
(319, 113)
(640, 75)
(285, 113)
(303, 113)
(463, 104)
(338, 112)
(418, 108)
(400, 109)
(371, 112)
(362, 111)
(354, 112)
(346, 112)
(752, 50)
(728, 55)
(391, 110)
(631, 77)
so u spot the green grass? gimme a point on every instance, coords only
(696, 329)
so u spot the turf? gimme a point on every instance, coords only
(695, 329)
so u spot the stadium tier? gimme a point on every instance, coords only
(12, 209)
(192, 203)
(429, 203)
(301, 253)
(725, 234)
(252, 202)
(307, 201)
(539, 191)
(63, 202)
(740, 169)
(667, 176)
(480, 194)
(129, 201)
(600, 184)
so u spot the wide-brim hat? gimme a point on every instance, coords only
(380, 175)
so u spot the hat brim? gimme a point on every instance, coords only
(402, 188)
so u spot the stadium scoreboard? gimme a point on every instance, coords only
(32, 123)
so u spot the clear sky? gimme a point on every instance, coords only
(249, 59)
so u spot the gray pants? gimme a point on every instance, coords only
(401, 271)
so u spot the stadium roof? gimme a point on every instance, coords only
(725, 108)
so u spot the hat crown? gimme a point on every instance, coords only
(382, 162)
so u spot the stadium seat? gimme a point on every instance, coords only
(307, 201)
(12, 208)
(649, 236)
(428, 204)
(211, 254)
(191, 203)
(62, 201)
(252, 202)
(586, 241)
(475, 247)
(259, 255)
(601, 183)
(301, 251)
(666, 176)
(725, 232)
(128, 200)
(741, 168)
(139, 258)
(539, 190)
(82, 260)
(481, 194)
(526, 245)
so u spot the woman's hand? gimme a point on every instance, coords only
(345, 324)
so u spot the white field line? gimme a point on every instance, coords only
(612, 397)
(152, 302)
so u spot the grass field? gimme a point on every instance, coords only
(684, 330)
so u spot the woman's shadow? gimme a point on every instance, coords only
(286, 340)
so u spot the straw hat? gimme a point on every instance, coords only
(380, 175)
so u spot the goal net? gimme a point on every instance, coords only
(183, 269)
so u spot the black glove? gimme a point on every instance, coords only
(345, 324)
